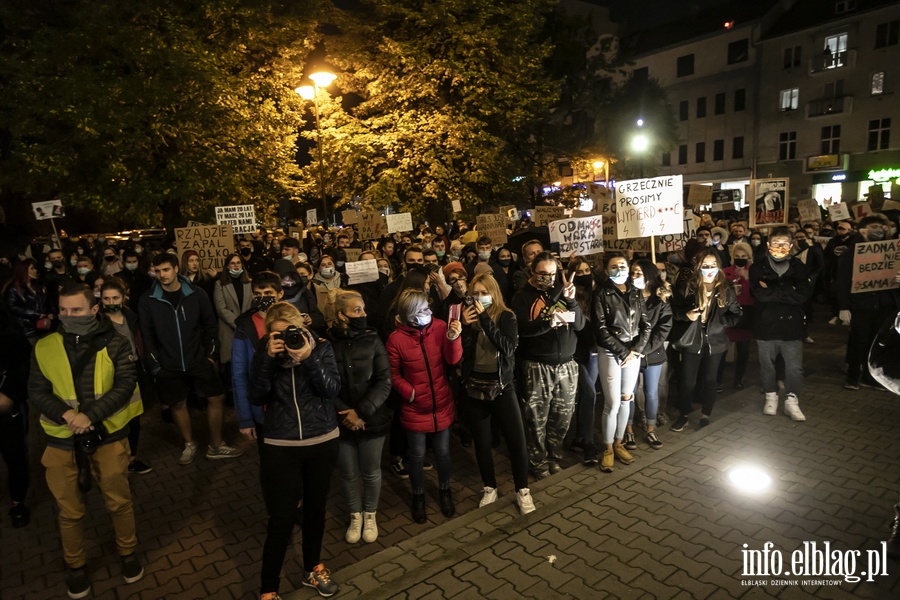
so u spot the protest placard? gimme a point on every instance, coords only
(493, 226)
(195, 224)
(809, 210)
(511, 212)
(544, 214)
(583, 236)
(399, 222)
(372, 226)
(353, 254)
(646, 207)
(769, 201)
(212, 242)
(676, 241)
(875, 264)
(350, 217)
(699, 195)
(361, 271)
(839, 211)
(51, 209)
(721, 206)
(890, 205)
(242, 218)
(298, 233)
(311, 217)
(861, 210)
(457, 205)
(598, 193)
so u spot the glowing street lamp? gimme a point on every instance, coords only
(320, 79)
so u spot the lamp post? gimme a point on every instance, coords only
(639, 145)
(320, 79)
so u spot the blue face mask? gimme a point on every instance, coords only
(485, 300)
(618, 277)
(710, 272)
(421, 321)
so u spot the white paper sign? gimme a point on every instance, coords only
(361, 271)
(311, 218)
(399, 222)
(457, 206)
(809, 210)
(646, 207)
(582, 236)
(241, 218)
(673, 242)
(52, 209)
(839, 211)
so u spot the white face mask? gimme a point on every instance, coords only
(639, 282)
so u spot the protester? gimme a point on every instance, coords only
(586, 356)
(25, 296)
(741, 334)
(15, 357)
(231, 297)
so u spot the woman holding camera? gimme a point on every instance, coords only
(418, 350)
(490, 337)
(295, 377)
(365, 417)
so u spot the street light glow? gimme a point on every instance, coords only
(640, 142)
(307, 92)
(598, 164)
(749, 479)
(323, 79)
(640, 122)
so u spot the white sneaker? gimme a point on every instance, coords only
(525, 501)
(489, 497)
(833, 321)
(792, 408)
(222, 452)
(188, 454)
(370, 528)
(771, 407)
(355, 530)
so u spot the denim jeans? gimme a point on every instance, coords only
(651, 375)
(587, 397)
(440, 442)
(360, 458)
(792, 353)
(616, 382)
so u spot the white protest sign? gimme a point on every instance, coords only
(457, 206)
(839, 211)
(362, 271)
(311, 217)
(672, 242)
(861, 210)
(598, 193)
(399, 222)
(350, 217)
(582, 236)
(809, 210)
(494, 227)
(646, 207)
(241, 218)
(51, 209)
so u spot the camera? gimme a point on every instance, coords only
(432, 268)
(469, 301)
(90, 441)
(293, 337)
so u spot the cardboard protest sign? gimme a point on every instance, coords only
(399, 223)
(298, 233)
(612, 243)
(839, 211)
(862, 210)
(582, 236)
(676, 241)
(311, 217)
(721, 206)
(212, 242)
(890, 205)
(646, 207)
(875, 264)
(493, 226)
(372, 226)
(699, 195)
(457, 205)
(769, 201)
(51, 209)
(544, 214)
(809, 210)
(353, 254)
(350, 217)
(362, 271)
(511, 212)
(241, 218)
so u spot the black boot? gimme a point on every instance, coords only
(447, 507)
(893, 543)
(418, 508)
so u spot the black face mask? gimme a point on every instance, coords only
(304, 280)
(290, 290)
(584, 281)
(109, 258)
(356, 323)
(740, 262)
(505, 262)
(262, 303)
(245, 252)
(56, 263)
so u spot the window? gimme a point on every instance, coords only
(787, 145)
(792, 57)
(740, 99)
(887, 34)
(878, 83)
(835, 51)
(737, 147)
(666, 159)
(738, 51)
(700, 152)
(685, 65)
(683, 110)
(719, 150)
(790, 99)
(642, 74)
(720, 104)
(834, 89)
(701, 107)
(831, 139)
(879, 134)
(682, 154)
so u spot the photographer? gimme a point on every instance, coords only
(295, 377)
(82, 380)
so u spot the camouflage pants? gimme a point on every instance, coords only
(547, 407)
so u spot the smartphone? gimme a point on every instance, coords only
(567, 315)
(455, 312)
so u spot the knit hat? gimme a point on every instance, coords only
(451, 267)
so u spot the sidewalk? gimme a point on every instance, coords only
(667, 526)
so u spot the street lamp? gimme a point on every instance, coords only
(639, 145)
(602, 164)
(320, 79)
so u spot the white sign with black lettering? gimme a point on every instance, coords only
(241, 218)
(647, 207)
(361, 271)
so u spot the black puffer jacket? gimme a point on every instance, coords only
(299, 401)
(620, 319)
(503, 335)
(659, 313)
(365, 375)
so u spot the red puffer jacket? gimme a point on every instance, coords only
(417, 364)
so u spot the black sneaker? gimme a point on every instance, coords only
(629, 442)
(680, 423)
(653, 440)
(704, 422)
(851, 384)
(448, 509)
(320, 578)
(141, 468)
(19, 515)
(591, 457)
(132, 570)
(77, 583)
(427, 466)
(399, 469)
(554, 467)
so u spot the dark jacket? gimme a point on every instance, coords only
(177, 337)
(861, 301)
(27, 307)
(15, 358)
(692, 336)
(659, 314)
(306, 303)
(138, 282)
(778, 312)
(243, 348)
(504, 336)
(365, 372)
(299, 401)
(620, 319)
(540, 342)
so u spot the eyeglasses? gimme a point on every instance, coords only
(780, 244)
(457, 280)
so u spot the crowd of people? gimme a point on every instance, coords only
(457, 334)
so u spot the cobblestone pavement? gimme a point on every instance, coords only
(667, 526)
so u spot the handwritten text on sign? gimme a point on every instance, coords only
(646, 207)
(673, 242)
(582, 236)
(212, 242)
(371, 226)
(492, 226)
(875, 264)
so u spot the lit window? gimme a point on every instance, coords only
(790, 99)
(835, 51)
(878, 83)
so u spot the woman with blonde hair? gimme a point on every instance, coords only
(490, 338)
(294, 376)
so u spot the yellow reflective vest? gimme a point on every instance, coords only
(53, 361)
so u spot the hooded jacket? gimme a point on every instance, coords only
(538, 341)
